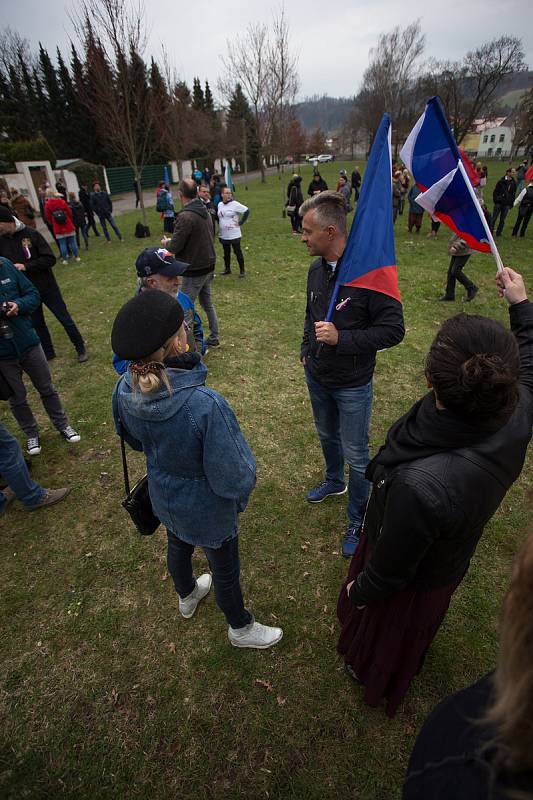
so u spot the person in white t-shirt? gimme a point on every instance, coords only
(231, 215)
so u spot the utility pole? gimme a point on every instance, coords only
(244, 153)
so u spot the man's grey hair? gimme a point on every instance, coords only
(329, 208)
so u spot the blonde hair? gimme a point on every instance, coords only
(155, 375)
(52, 193)
(511, 714)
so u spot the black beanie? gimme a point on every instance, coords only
(144, 324)
(6, 215)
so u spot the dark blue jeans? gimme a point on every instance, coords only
(342, 419)
(53, 299)
(109, 218)
(225, 566)
(15, 472)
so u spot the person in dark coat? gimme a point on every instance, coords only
(443, 472)
(317, 185)
(503, 196)
(477, 743)
(416, 212)
(79, 219)
(356, 183)
(102, 206)
(85, 200)
(31, 254)
(137, 193)
(294, 201)
(460, 252)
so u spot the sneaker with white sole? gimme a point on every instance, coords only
(189, 604)
(70, 434)
(255, 635)
(33, 446)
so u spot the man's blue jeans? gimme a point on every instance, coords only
(15, 472)
(109, 218)
(342, 419)
(225, 566)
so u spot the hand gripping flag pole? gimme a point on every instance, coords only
(432, 156)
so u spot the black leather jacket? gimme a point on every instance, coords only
(425, 518)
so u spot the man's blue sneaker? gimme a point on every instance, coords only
(325, 489)
(351, 539)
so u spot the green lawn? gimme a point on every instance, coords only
(106, 691)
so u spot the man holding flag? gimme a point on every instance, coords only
(353, 310)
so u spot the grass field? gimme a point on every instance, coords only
(106, 692)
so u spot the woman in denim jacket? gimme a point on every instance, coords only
(201, 471)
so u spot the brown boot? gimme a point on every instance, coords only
(51, 497)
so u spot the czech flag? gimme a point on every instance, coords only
(369, 261)
(432, 156)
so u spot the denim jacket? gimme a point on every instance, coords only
(200, 468)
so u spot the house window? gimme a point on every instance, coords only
(502, 137)
(489, 151)
(493, 138)
(485, 139)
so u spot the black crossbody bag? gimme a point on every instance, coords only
(137, 502)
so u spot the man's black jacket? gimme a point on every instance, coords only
(101, 203)
(39, 265)
(504, 192)
(425, 517)
(367, 322)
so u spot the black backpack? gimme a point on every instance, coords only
(60, 216)
(527, 200)
(142, 231)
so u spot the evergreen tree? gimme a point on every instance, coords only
(89, 142)
(51, 102)
(161, 105)
(239, 110)
(198, 99)
(209, 105)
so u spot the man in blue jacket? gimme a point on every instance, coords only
(21, 351)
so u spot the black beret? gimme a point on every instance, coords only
(144, 324)
(6, 215)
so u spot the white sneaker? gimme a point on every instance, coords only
(33, 446)
(64, 261)
(70, 434)
(255, 635)
(189, 605)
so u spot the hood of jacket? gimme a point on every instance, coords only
(196, 207)
(161, 405)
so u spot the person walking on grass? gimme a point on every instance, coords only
(231, 215)
(31, 254)
(416, 212)
(460, 252)
(193, 243)
(441, 475)
(102, 206)
(524, 201)
(59, 215)
(85, 200)
(503, 197)
(201, 471)
(294, 201)
(21, 351)
(339, 358)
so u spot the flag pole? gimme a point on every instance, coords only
(490, 237)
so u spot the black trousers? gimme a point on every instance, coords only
(501, 212)
(296, 221)
(455, 273)
(228, 245)
(53, 299)
(522, 221)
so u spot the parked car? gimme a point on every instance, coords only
(324, 158)
(310, 159)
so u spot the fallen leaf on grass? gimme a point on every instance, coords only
(114, 696)
(281, 701)
(172, 647)
(164, 576)
(266, 684)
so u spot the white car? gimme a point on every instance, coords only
(309, 159)
(324, 158)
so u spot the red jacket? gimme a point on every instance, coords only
(56, 204)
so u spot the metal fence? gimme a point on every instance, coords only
(121, 178)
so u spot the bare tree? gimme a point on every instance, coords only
(261, 61)
(388, 80)
(117, 94)
(468, 88)
(524, 125)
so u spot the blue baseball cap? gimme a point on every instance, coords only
(159, 261)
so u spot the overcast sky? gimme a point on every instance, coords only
(331, 37)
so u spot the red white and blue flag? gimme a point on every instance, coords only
(369, 261)
(432, 156)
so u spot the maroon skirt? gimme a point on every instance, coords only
(386, 642)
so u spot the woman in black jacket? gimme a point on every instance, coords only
(294, 201)
(317, 185)
(444, 469)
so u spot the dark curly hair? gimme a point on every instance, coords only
(474, 366)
